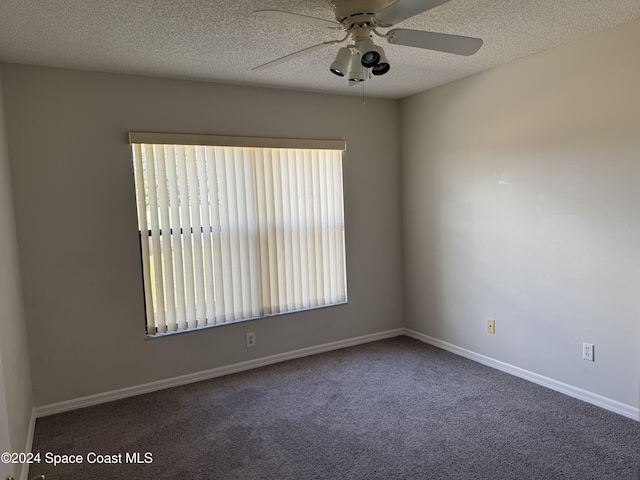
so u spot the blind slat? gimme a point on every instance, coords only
(167, 249)
(176, 238)
(156, 253)
(295, 228)
(225, 236)
(262, 231)
(317, 219)
(205, 210)
(310, 230)
(280, 240)
(272, 233)
(139, 169)
(196, 229)
(187, 236)
(340, 265)
(218, 299)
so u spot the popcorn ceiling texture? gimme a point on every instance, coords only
(218, 41)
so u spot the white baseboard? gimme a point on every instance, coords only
(207, 374)
(595, 399)
(24, 474)
(589, 397)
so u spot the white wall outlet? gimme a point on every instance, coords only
(587, 352)
(491, 325)
(251, 339)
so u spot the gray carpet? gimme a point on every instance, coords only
(394, 409)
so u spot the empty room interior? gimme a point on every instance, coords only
(479, 313)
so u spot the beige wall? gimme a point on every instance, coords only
(15, 383)
(521, 191)
(77, 227)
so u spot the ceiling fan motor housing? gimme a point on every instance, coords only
(357, 12)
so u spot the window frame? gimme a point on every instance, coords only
(177, 139)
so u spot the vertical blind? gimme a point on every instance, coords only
(230, 233)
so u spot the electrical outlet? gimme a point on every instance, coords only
(587, 352)
(491, 326)
(251, 339)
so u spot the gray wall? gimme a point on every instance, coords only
(15, 383)
(521, 191)
(77, 227)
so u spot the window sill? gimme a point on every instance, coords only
(235, 322)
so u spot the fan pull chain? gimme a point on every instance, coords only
(364, 103)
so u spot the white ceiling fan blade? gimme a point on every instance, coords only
(320, 22)
(291, 56)
(441, 42)
(403, 9)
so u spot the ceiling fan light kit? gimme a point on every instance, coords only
(368, 54)
(356, 70)
(382, 66)
(341, 64)
(359, 19)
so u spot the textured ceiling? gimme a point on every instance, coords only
(221, 41)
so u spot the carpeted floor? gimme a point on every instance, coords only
(393, 409)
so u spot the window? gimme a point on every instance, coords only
(234, 228)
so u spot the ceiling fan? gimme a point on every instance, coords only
(359, 19)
